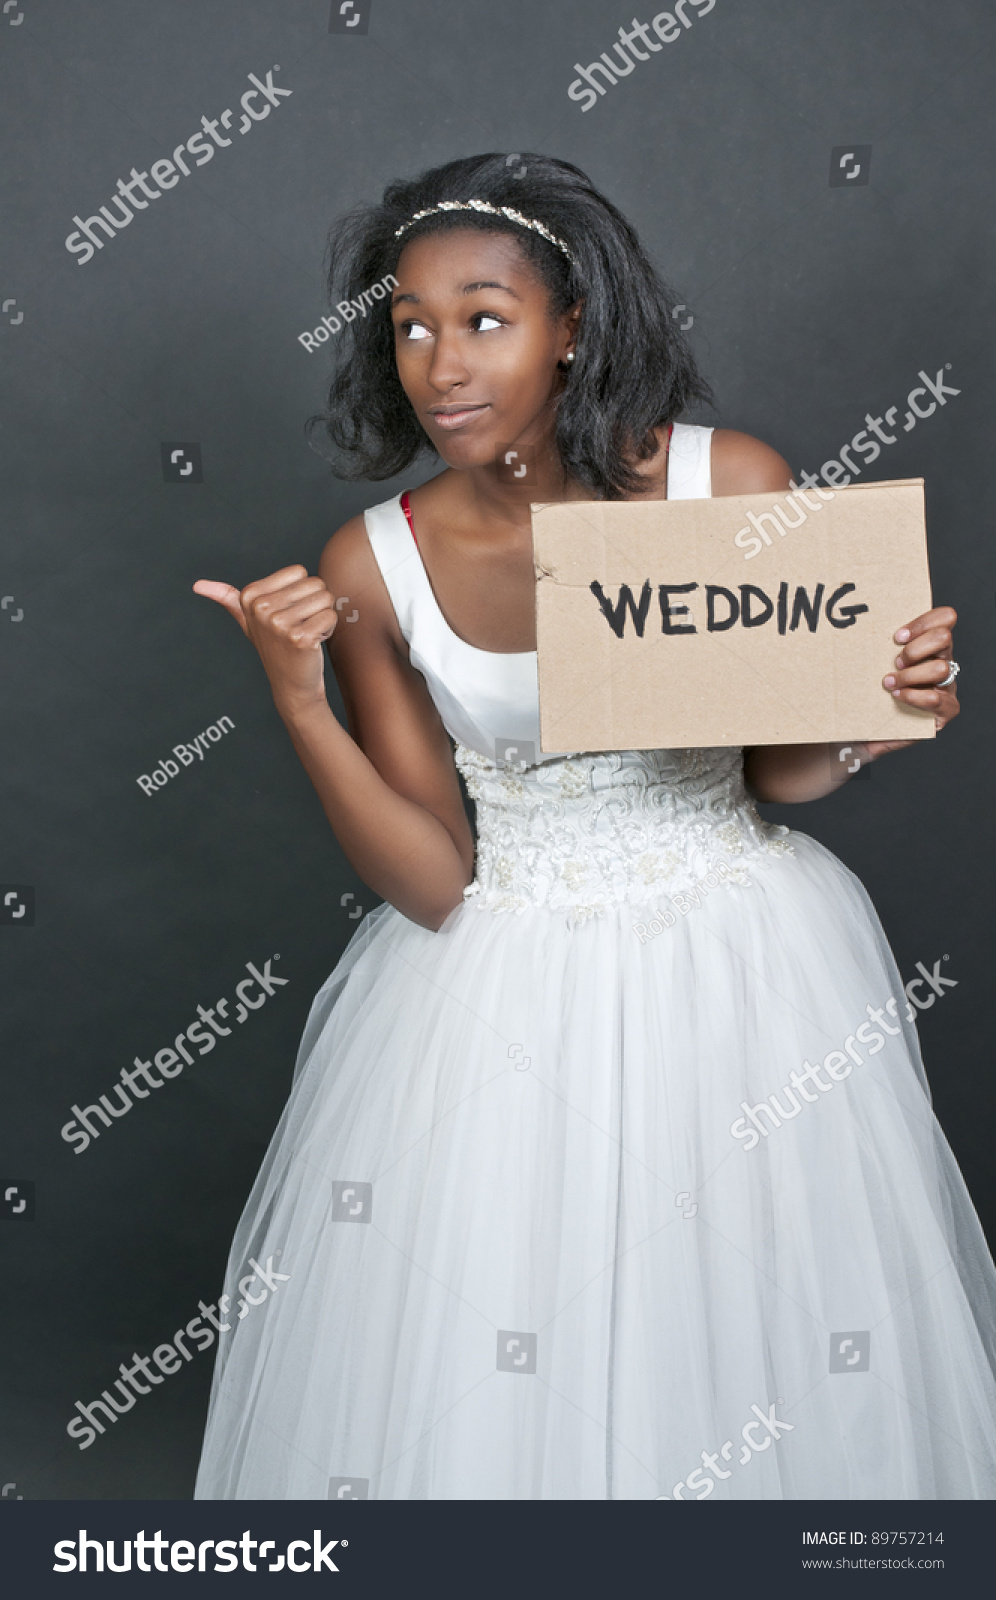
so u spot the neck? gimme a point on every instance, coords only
(494, 494)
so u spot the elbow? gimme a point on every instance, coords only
(754, 784)
(435, 915)
(766, 794)
(440, 915)
(434, 924)
(782, 775)
(435, 920)
(450, 898)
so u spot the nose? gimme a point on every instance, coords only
(448, 368)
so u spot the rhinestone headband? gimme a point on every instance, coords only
(494, 211)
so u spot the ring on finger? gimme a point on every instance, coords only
(953, 671)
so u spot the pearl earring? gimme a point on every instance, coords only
(570, 355)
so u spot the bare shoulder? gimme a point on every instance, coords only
(348, 554)
(389, 710)
(349, 570)
(742, 465)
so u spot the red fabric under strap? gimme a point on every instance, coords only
(407, 509)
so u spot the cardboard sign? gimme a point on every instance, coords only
(752, 619)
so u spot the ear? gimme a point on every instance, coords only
(571, 323)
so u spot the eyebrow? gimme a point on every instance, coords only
(468, 288)
(490, 283)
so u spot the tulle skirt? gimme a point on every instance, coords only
(589, 1212)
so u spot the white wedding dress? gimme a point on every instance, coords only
(538, 1241)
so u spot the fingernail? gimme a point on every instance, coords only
(900, 662)
(888, 682)
(902, 635)
(896, 693)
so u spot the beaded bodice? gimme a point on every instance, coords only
(585, 833)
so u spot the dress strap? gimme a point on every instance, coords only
(689, 469)
(399, 561)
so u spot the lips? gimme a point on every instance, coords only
(457, 416)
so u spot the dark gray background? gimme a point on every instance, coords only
(813, 305)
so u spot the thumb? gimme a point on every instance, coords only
(225, 595)
(885, 747)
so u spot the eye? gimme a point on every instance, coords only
(414, 330)
(486, 317)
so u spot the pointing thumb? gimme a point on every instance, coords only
(225, 595)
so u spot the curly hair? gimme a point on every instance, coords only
(633, 372)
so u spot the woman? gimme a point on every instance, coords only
(539, 1243)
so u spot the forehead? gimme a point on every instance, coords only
(444, 263)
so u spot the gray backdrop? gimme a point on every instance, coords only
(814, 302)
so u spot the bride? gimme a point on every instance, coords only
(530, 1248)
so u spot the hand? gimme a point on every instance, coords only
(287, 616)
(923, 663)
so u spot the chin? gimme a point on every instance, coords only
(461, 454)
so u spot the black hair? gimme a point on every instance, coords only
(633, 372)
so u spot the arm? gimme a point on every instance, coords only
(388, 786)
(798, 772)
